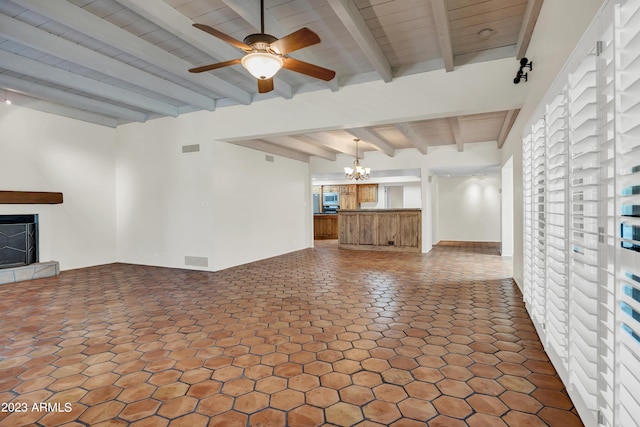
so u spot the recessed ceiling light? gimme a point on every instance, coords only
(485, 34)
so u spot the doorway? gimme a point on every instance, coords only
(394, 196)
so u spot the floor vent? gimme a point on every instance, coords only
(196, 261)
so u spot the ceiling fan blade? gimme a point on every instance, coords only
(265, 85)
(214, 66)
(222, 36)
(297, 40)
(308, 69)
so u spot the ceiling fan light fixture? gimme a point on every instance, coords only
(262, 65)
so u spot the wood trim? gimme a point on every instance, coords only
(441, 19)
(30, 198)
(454, 124)
(528, 24)
(509, 119)
(355, 24)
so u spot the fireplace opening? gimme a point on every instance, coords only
(18, 240)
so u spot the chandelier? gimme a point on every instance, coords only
(357, 172)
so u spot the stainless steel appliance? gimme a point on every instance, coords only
(330, 199)
(317, 207)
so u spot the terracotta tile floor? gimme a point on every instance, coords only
(319, 336)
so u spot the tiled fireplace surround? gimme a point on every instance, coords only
(14, 231)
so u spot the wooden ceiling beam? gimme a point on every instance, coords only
(369, 137)
(70, 99)
(412, 136)
(294, 143)
(332, 143)
(528, 24)
(40, 70)
(509, 119)
(351, 18)
(62, 110)
(454, 124)
(441, 20)
(93, 26)
(43, 41)
(267, 147)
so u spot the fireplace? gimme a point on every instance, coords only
(18, 240)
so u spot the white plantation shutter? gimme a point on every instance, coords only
(581, 213)
(583, 233)
(607, 224)
(628, 212)
(539, 222)
(556, 314)
(527, 182)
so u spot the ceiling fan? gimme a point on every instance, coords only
(265, 54)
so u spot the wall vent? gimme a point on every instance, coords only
(196, 261)
(191, 148)
(269, 158)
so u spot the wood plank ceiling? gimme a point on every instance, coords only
(113, 62)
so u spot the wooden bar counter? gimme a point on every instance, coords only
(398, 230)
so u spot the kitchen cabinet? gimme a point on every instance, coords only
(325, 226)
(348, 201)
(397, 230)
(367, 193)
(331, 188)
(348, 189)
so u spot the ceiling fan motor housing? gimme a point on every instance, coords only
(257, 41)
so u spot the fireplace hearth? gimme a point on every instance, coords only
(18, 240)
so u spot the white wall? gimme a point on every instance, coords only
(506, 217)
(560, 26)
(42, 152)
(435, 208)
(469, 208)
(225, 203)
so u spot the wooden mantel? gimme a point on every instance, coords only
(30, 198)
